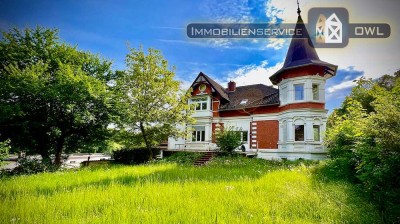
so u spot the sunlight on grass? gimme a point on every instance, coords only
(227, 191)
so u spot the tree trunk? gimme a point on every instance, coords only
(43, 152)
(59, 149)
(146, 141)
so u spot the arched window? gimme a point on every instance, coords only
(299, 130)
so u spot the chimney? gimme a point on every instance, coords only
(231, 86)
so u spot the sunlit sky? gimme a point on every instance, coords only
(107, 27)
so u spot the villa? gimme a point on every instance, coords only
(286, 122)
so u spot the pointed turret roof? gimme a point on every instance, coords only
(301, 53)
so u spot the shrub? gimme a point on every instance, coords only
(228, 139)
(134, 156)
(363, 139)
(28, 165)
(183, 157)
(4, 150)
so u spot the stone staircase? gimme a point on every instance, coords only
(163, 146)
(204, 159)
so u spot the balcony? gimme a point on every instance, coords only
(202, 113)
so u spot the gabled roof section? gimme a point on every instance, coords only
(253, 95)
(301, 53)
(217, 87)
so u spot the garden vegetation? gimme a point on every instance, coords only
(363, 138)
(227, 190)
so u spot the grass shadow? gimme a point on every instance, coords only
(221, 169)
(339, 174)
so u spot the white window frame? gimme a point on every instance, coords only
(294, 91)
(199, 134)
(319, 132)
(244, 133)
(199, 102)
(299, 122)
(317, 93)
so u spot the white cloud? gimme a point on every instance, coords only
(228, 11)
(185, 84)
(254, 74)
(279, 10)
(276, 43)
(343, 85)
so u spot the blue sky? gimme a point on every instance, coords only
(106, 28)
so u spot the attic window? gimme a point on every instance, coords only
(243, 101)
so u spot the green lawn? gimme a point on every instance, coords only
(228, 190)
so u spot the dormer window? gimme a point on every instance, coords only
(200, 103)
(243, 102)
(298, 91)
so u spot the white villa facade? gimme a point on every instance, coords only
(283, 122)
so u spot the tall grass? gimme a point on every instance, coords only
(228, 190)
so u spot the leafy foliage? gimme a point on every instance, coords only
(150, 100)
(28, 165)
(4, 150)
(54, 98)
(187, 158)
(363, 139)
(228, 139)
(134, 156)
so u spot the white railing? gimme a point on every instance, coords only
(196, 146)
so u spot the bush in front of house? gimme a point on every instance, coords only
(228, 139)
(27, 165)
(4, 150)
(183, 157)
(134, 156)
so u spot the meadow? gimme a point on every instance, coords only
(227, 190)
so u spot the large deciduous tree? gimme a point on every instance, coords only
(151, 102)
(54, 98)
(363, 138)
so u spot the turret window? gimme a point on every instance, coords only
(315, 91)
(317, 133)
(299, 132)
(298, 92)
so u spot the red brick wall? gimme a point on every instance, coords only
(213, 126)
(215, 106)
(267, 134)
(271, 109)
(302, 71)
(303, 105)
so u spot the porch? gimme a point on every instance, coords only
(194, 146)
